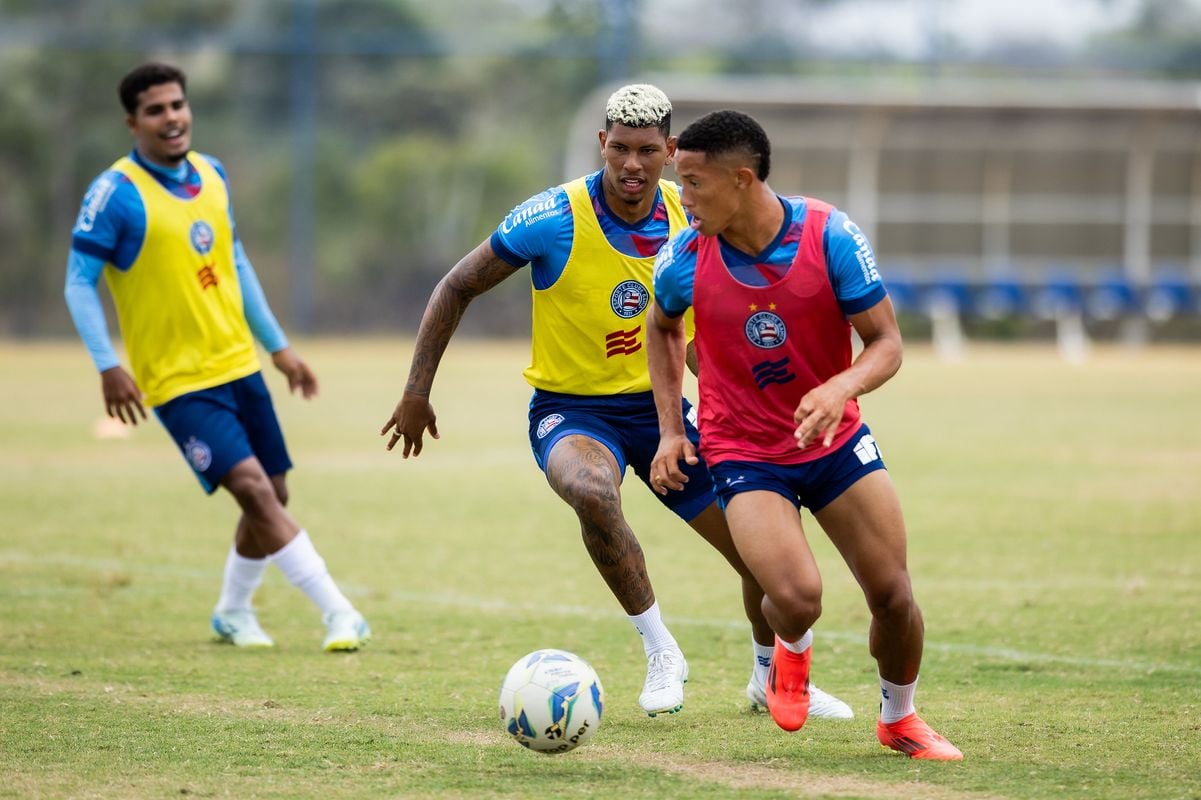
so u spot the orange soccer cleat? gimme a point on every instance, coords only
(788, 687)
(913, 737)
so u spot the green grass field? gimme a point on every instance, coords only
(1055, 546)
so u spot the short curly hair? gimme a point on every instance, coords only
(639, 105)
(142, 77)
(727, 131)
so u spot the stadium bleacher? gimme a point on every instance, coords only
(1078, 308)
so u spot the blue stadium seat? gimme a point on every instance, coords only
(1171, 296)
(1059, 295)
(1111, 297)
(904, 292)
(1001, 297)
(945, 300)
(948, 291)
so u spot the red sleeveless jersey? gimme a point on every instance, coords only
(760, 349)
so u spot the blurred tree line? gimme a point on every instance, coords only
(418, 146)
(369, 143)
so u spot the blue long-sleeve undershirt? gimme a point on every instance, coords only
(83, 301)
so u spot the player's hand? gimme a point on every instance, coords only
(300, 375)
(412, 417)
(820, 412)
(122, 398)
(665, 466)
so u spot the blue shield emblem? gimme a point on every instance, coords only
(765, 330)
(202, 237)
(629, 299)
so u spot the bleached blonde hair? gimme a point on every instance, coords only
(639, 105)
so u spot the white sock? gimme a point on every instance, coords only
(242, 577)
(896, 701)
(800, 645)
(763, 654)
(655, 635)
(305, 569)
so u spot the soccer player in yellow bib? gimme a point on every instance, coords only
(591, 245)
(158, 225)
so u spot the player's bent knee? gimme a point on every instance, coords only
(281, 491)
(255, 492)
(596, 503)
(799, 606)
(892, 601)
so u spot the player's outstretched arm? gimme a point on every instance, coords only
(820, 410)
(476, 273)
(666, 352)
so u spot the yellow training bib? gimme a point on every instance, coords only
(589, 327)
(179, 304)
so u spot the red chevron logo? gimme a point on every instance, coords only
(622, 343)
(207, 277)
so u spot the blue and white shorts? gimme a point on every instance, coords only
(628, 425)
(813, 484)
(218, 428)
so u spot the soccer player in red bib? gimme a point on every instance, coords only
(776, 285)
(590, 245)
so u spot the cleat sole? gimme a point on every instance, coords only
(345, 647)
(219, 639)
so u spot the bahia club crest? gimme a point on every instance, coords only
(765, 330)
(629, 299)
(202, 236)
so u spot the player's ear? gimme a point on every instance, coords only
(672, 141)
(600, 135)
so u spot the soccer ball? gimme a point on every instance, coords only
(551, 701)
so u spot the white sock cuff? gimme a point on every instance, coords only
(800, 645)
(305, 569)
(763, 653)
(300, 542)
(241, 578)
(655, 635)
(299, 560)
(896, 700)
(242, 562)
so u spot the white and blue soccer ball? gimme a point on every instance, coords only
(551, 701)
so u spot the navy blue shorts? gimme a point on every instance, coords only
(814, 484)
(628, 425)
(219, 427)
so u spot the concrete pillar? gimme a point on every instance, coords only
(1194, 255)
(1140, 161)
(996, 204)
(863, 172)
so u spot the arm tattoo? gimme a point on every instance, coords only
(478, 272)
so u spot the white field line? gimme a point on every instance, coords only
(452, 600)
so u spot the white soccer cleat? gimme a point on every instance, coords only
(756, 692)
(240, 628)
(666, 674)
(345, 631)
(821, 704)
(824, 704)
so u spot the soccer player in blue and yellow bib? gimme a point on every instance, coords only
(158, 225)
(591, 245)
